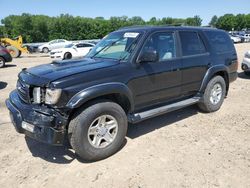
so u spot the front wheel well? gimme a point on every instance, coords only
(120, 99)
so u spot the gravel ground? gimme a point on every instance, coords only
(185, 148)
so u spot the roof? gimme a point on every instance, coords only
(153, 28)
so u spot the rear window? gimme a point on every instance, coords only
(220, 41)
(191, 43)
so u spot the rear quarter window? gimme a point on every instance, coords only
(220, 41)
(191, 43)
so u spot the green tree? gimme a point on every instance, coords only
(213, 21)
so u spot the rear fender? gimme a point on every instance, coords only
(210, 74)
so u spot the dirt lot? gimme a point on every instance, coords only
(186, 148)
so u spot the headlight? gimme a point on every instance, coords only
(57, 52)
(37, 95)
(52, 95)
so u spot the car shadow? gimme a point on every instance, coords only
(65, 154)
(3, 85)
(243, 75)
(147, 126)
(9, 65)
(56, 154)
(53, 154)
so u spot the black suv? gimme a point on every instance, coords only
(131, 75)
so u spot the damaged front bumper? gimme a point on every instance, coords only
(38, 122)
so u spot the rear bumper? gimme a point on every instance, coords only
(49, 125)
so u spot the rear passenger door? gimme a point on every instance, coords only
(195, 61)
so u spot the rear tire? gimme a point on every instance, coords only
(67, 55)
(2, 62)
(214, 95)
(14, 52)
(98, 131)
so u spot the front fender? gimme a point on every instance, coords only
(100, 90)
(210, 73)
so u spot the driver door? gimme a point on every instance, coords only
(158, 82)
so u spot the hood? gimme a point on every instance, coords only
(44, 74)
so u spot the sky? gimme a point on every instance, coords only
(144, 8)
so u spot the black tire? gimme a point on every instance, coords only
(79, 127)
(19, 53)
(67, 55)
(205, 104)
(14, 52)
(2, 62)
(45, 50)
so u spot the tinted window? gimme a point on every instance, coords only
(220, 41)
(163, 43)
(87, 45)
(61, 40)
(191, 43)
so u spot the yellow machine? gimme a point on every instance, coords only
(14, 46)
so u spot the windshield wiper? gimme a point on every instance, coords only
(105, 48)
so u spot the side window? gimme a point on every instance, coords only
(220, 41)
(163, 43)
(61, 40)
(80, 45)
(191, 43)
(87, 45)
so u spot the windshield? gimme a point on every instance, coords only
(118, 45)
(69, 45)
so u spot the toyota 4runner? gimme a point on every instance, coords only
(131, 75)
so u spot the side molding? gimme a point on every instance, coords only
(100, 90)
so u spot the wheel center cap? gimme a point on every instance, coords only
(102, 131)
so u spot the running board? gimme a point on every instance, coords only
(134, 118)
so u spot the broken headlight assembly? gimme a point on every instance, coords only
(48, 95)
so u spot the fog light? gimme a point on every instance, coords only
(28, 127)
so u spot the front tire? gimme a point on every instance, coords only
(98, 131)
(2, 62)
(67, 55)
(214, 95)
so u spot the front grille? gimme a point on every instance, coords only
(23, 91)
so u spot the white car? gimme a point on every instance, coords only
(72, 51)
(247, 37)
(54, 44)
(246, 63)
(235, 39)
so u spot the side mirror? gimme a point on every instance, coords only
(148, 56)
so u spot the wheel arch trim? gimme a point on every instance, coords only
(99, 90)
(211, 72)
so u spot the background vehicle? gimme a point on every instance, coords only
(131, 75)
(14, 46)
(4, 56)
(54, 44)
(72, 51)
(246, 63)
(235, 39)
(247, 37)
